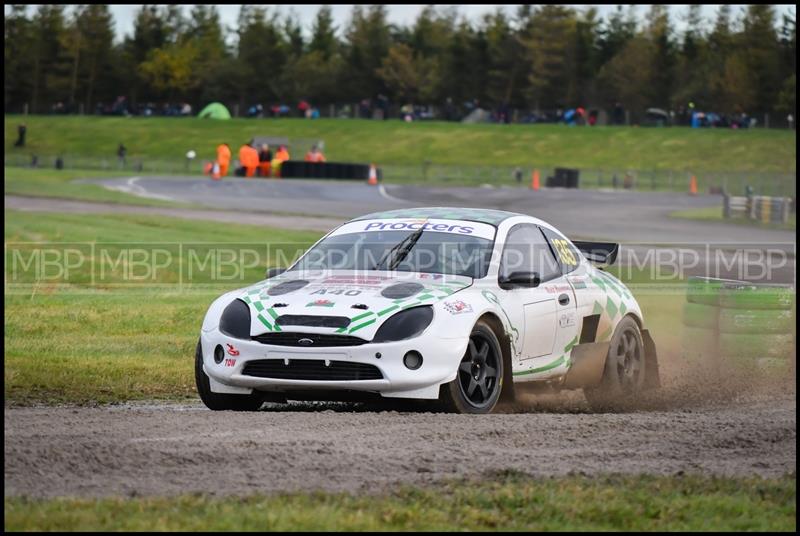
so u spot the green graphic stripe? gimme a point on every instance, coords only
(265, 322)
(571, 344)
(274, 316)
(388, 310)
(558, 362)
(359, 317)
(367, 323)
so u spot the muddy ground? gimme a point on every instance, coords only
(168, 448)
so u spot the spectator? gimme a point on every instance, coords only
(315, 155)
(264, 160)
(121, 152)
(518, 175)
(223, 158)
(619, 114)
(383, 106)
(280, 157)
(408, 112)
(449, 110)
(21, 130)
(248, 158)
(282, 154)
(303, 108)
(364, 108)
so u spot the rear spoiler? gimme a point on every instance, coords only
(599, 252)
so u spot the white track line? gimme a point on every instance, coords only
(386, 195)
(138, 190)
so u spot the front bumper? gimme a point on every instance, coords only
(440, 362)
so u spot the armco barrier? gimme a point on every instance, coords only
(735, 325)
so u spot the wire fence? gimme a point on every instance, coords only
(731, 182)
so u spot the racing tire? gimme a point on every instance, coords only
(218, 401)
(624, 373)
(479, 378)
(755, 321)
(703, 290)
(756, 297)
(698, 315)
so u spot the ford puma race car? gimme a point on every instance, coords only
(455, 306)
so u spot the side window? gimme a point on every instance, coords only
(526, 250)
(567, 255)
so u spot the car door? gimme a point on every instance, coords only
(569, 260)
(534, 309)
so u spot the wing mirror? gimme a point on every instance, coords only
(520, 279)
(272, 272)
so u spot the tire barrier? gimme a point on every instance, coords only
(760, 208)
(298, 169)
(739, 326)
(754, 321)
(746, 345)
(756, 297)
(705, 290)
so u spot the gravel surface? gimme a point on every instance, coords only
(163, 448)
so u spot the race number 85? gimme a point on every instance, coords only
(564, 253)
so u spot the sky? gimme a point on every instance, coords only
(404, 14)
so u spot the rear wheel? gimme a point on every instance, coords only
(217, 401)
(479, 380)
(624, 373)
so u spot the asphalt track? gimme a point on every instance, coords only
(618, 215)
(639, 220)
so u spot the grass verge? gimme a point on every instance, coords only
(123, 326)
(61, 184)
(397, 142)
(508, 501)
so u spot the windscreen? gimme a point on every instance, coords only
(451, 247)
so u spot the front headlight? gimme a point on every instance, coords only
(235, 320)
(405, 324)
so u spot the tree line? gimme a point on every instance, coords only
(536, 58)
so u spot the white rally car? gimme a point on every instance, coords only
(448, 304)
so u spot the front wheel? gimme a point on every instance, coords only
(624, 373)
(217, 401)
(479, 379)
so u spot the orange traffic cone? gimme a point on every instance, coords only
(535, 180)
(693, 185)
(215, 174)
(373, 175)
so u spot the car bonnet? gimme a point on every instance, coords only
(357, 303)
